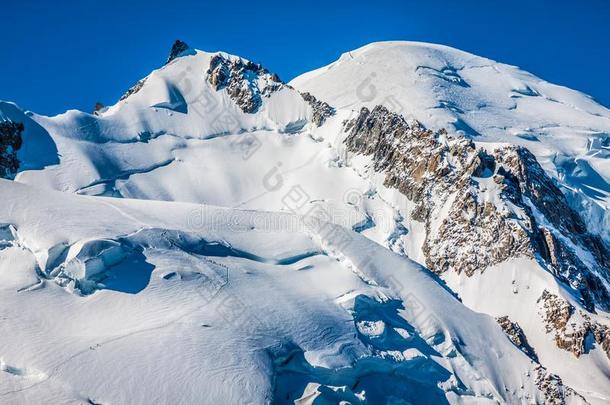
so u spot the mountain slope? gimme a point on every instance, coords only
(460, 215)
(191, 300)
(338, 196)
(490, 102)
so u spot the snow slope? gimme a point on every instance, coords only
(269, 302)
(494, 104)
(488, 101)
(220, 311)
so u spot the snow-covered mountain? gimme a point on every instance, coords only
(410, 224)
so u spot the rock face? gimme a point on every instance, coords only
(551, 385)
(553, 388)
(245, 82)
(481, 208)
(10, 142)
(517, 336)
(134, 89)
(321, 110)
(178, 47)
(571, 331)
(561, 231)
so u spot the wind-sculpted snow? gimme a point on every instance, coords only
(490, 102)
(303, 288)
(237, 320)
(401, 364)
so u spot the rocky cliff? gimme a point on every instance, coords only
(10, 142)
(481, 207)
(245, 82)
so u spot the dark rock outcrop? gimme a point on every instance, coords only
(571, 332)
(551, 385)
(517, 336)
(98, 107)
(481, 208)
(10, 142)
(177, 48)
(554, 390)
(247, 83)
(321, 110)
(134, 89)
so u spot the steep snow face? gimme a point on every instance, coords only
(217, 129)
(488, 101)
(174, 106)
(524, 303)
(392, 74)
(469, 208)
(237, 307)
(183, 98)
(37, 149)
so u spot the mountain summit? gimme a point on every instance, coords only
(411, 223)
(178, 48)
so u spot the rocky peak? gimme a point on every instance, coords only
(177, 48)
(481, 208)
(10, 142)
(247, 83)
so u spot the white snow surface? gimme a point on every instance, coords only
(235, 308)
(488, 101)
(205, 278)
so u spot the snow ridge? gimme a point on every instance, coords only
(244, 240)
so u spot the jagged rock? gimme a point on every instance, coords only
(219, 72)
(134, 89)
(10, 142)
(321, 110)
(553, 388)
(557, 311)
(433, 169)
(480, 208)
(177, 48)
(245, 82)
(570, 233)
(517, 336)
(571, 332)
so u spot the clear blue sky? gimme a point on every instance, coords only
(58, 55)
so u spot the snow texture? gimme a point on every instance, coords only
(210, 239)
